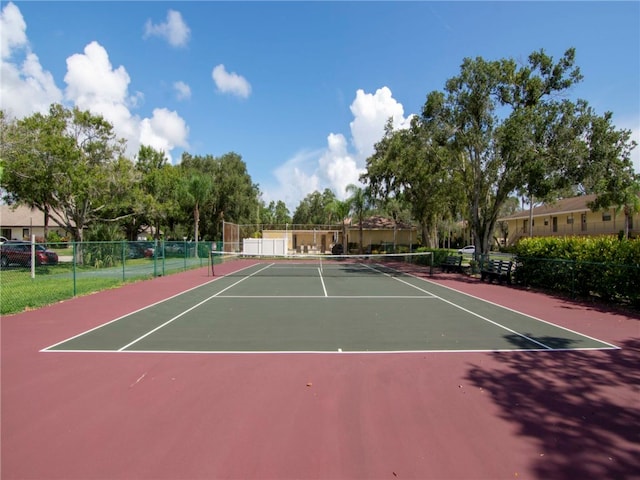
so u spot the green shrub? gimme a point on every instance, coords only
(605, 266)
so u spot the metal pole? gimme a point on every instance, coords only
(33, 256)
(75, 289)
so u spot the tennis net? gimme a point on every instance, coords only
(303, 265)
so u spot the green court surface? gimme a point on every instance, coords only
(340, 309)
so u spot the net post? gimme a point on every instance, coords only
(212, 251)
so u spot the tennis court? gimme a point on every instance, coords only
(299, 370)
(353, 304)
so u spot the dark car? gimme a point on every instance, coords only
(19, 253)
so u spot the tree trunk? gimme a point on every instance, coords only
(530, 215)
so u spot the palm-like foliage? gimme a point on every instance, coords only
(359, 200)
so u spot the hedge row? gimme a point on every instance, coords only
(604, 267)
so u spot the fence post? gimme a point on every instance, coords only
(185, 252)
(124, 244)
(33, 256)
(73, 268)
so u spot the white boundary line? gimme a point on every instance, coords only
(333, 297)
(339, 351)
(322, 280)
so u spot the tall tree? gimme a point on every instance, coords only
(412, 167)
(275, 215)
(610, 169)
(80, 156)
(340, 210)
(483, 99)
(359, 201)
(159, 183)
(199, 190)
(33, 148)
(314, 209)
(236, 197)
(545, 142)
(86, 184)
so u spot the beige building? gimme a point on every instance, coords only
(570, 216)
(319, 240)
(377, 232)
(19, 223)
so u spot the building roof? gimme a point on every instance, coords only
(378, 222)
(20, 216)
(563, 206)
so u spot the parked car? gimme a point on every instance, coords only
(468, 249)
(15, 252)
(150, 252)
(3, 240)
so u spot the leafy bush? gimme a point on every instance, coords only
(103, 247)
(605, 267)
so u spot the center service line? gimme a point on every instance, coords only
(322, 280)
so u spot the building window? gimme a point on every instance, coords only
(569, 220)
(583, 219)
(606, 216)
(25, 233)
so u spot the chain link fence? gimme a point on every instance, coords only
(612, 282)
(33, 275)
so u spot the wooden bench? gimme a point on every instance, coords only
(452, 263)
(498, 270)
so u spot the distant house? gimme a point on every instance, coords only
(309, 240)
(569, 216)
(20, 222)
(378, 233)
(383, 233)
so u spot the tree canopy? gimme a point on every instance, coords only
(497, 129)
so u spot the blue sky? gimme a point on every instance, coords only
(301, 90)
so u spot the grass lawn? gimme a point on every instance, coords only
(18, 291)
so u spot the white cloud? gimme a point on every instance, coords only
(230, 82)
(25, 88)
(183, 91)
(371, 112)
(91, 78)
(13, 30)
(92, 84)
(296, 177)
(335, 166)
(175, 30)
(164, 131)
